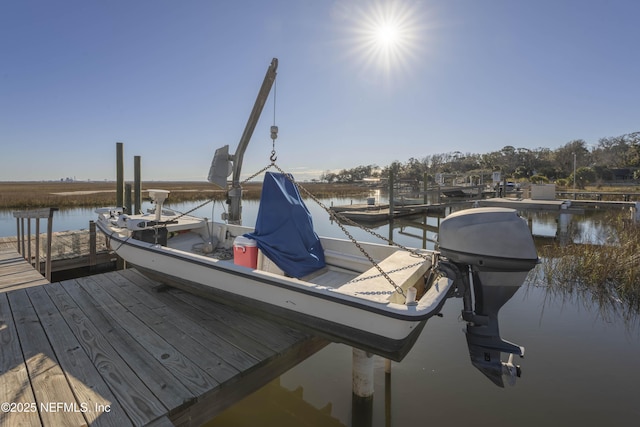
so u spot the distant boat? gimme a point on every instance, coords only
(404, 201)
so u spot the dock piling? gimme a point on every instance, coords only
(119, 174)
(362, 396)
(137, 185)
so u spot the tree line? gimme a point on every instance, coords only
(613, 158)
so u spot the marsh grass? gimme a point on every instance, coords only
(31, 195)
(606, 275)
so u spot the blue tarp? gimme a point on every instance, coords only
(284, 228)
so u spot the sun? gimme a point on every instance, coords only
(383, 36)
(387, 35)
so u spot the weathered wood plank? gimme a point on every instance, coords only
(276, 336)
(88, 386)
(190, 348)
(15, 387)
(217, 345)
(221, 322)
(160, 422)
(181, 367)
(48, 381)
(35, 213)
(16, 273)
(106, 335)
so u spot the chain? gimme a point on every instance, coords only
(189, 211)
(264, 169)
(340, 219)
(395, 270)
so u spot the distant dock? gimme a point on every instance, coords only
(117, 349)
(378, 213)
(382, 212)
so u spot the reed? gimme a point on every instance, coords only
(30, 195)
(606, 275)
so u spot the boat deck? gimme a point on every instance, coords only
(404, 268)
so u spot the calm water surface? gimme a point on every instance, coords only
(581, 365)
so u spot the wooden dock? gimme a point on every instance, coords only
(554, 204)
(382, 212)
(118, 349)
(70, 250)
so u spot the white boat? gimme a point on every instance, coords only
(376, 297)
(379, 304)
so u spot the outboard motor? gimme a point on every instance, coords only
(493, 250)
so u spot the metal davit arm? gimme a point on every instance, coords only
(235, 193)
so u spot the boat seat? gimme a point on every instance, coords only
(404, 268)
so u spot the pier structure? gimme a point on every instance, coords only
(118, 349)
(67, 251)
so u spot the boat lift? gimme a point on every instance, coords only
(224, 164)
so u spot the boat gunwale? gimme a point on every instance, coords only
(411, 313)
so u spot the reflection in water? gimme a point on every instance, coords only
(275, 405)
(596, 266)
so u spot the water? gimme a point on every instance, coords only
(580, 367)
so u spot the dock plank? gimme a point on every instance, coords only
(15, 387)
(82, 373)
(261, 339)
(193, 350)
(130, 359)
(48, 380)
(219, 346)
(69, 249)
(188, 374)
(16, 272)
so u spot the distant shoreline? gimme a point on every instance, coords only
(73, 194)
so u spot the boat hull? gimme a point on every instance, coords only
(393, 349)
(387, 329)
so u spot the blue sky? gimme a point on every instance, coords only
(359, 82)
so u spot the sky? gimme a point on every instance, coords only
(359, 82)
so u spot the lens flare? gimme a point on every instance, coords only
(383, 38)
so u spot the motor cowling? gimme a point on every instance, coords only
(488, 239)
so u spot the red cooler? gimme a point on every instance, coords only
(245, 252)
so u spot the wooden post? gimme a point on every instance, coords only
(425, 188)
(362, 373)
(137, 186)
(362, 397)
(127, 198)
(29, 240)
(38, 246)
(119, 174)
(18, 234)
(391, 185)
(22, 235)
(93, 257)
(49, 235)
(387, 392)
